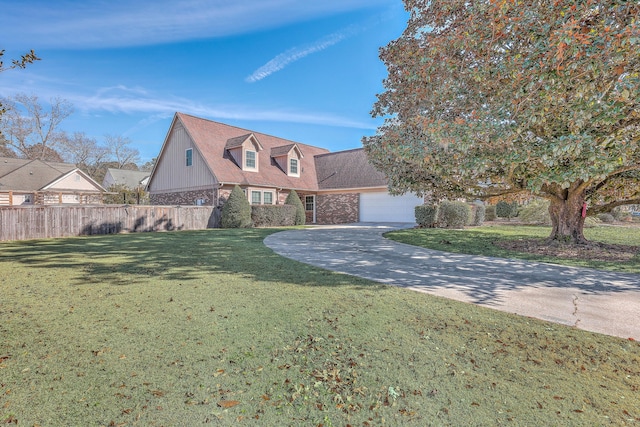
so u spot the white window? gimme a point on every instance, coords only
(268, 198)
(250, 159)
(189, 156)
(256, 197)
(293, 166)
(308, 203)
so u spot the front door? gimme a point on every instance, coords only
(310, 209)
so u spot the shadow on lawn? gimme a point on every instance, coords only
(181, 256)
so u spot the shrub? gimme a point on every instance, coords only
(620, 214)
(536, 212)
(453, 214)
(293, 199)
(273, 215)
(236, 212)
(591, 221)
(607, 218)
(426, 215)
(478, 211)
(490, 213)
(507, 210)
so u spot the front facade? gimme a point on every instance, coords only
(201, 161)
(34, 182)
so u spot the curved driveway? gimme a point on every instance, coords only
(588, 299)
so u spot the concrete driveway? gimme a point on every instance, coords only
(593, 300)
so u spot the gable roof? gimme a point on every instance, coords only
(32, 175)
(284, 150)
(211, 139)
(347, 169)
(239, 140)
(127, 178)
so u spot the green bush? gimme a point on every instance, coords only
(453, 214)
(293, 199)
(477, 214)
(536, 212)
(236, 212)
(426, 215)
(607, 218)
(507, 210)
(490, 213)
(273, 215)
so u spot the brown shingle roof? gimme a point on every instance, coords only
(211, 140)
(347, 169)
(238, 141)
(282, 151)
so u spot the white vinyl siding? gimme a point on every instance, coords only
(171, 171)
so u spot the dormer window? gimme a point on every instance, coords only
(288, 158)
(250, 159)
(244, 151)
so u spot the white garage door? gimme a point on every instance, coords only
(383, 207)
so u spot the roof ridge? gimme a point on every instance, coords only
(339, 152)
(250, 131)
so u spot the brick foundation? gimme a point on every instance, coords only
(337, 208)
(183, 198)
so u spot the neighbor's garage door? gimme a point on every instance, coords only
(382, 207)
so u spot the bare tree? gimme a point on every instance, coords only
(84, 152)
(121, 152)
(31, 130)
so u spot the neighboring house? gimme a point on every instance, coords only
(131, 180)
(202, 160)
(34, 182)
(126, 186)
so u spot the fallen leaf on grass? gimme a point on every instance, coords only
(228, 403)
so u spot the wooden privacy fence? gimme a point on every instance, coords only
(39, 222)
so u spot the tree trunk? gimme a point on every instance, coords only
(566, 218)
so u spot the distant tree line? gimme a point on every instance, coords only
(29, 130)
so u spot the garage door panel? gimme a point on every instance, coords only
(383, 207)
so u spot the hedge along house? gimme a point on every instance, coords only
(201, 161)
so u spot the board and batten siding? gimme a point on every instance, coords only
(172, 172)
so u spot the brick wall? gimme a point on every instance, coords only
(337, 208)
(183, 198)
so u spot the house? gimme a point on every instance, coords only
(201, 161)
(129, 179)
(35, 182)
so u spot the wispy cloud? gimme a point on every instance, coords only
(116, 23)
(121, 99)
(297, 53)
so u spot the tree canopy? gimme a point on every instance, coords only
(494, 97)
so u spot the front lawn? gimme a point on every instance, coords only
(493, 240)
(211, 327)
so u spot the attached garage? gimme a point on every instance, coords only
(383, 207)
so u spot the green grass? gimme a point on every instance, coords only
(481, 241)
(211, 327)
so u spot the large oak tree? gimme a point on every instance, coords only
(490, 97)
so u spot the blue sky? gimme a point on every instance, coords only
(302, 70)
